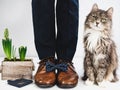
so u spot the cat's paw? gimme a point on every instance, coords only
(103, 84)
(88, 82)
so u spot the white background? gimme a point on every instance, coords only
(16, 15)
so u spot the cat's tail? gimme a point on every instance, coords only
(84, 78)
(115, 76)
(114, 61)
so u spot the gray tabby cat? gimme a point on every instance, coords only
(101, 61)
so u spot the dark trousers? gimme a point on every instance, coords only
(47, 40)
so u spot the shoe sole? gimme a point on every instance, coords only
(66, 85)
(44, 86)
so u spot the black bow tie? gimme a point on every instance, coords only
(50, 66)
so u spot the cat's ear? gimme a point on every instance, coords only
(110, 12)
(95, 7)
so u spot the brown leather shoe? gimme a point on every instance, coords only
(67, 79)
(43, 78)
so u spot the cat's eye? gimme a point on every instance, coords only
(103, 20)
(93, 15)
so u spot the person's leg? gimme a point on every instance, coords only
(44, 32)
(44, 27)
(67, 35)
(67, 23)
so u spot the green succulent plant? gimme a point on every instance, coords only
(10, 50)
(22, 52)
(7, 44)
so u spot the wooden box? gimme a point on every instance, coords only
(11, 70)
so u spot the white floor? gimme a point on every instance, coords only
(78, 63)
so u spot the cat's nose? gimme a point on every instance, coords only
(97, 23)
